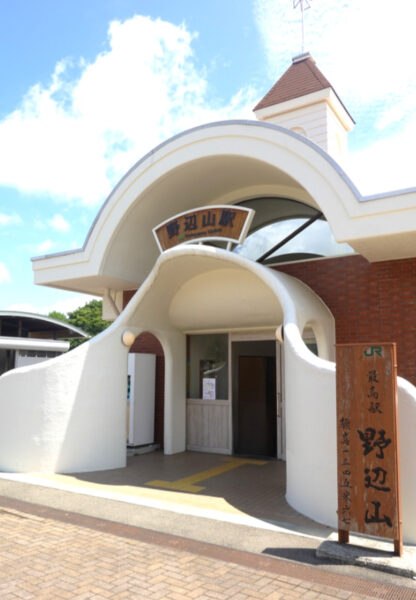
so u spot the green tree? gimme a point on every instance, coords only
(89, 319)
(54, 314)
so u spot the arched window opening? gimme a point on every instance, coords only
(286, 230)
(309, 338)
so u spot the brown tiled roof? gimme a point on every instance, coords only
(302, 77)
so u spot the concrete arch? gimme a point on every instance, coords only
(218, 163)
(282, 149)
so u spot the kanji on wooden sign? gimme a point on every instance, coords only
(368, 466)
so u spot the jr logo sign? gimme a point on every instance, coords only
(372, 350)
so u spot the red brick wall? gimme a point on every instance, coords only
(146, 343)
(371, 302)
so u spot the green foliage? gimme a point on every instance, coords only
(87, 317)
(58, 316)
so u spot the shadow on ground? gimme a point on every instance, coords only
(257, 490)
(302, 555)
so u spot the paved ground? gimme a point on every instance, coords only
(46, 554)
(168, 527)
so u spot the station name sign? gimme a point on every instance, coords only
(368, 465)
(218, 223)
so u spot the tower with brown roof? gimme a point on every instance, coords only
(304, 101)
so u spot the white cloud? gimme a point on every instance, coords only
(44, 247)
(63, 306)
(366, 50)
(76, 137)
(4, 274)
(59, 223)
(385, 165)
(9, 219)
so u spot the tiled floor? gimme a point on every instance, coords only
(256, 489)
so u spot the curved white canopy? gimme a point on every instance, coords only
(35, 322)
(225, 163)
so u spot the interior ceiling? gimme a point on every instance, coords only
(208, 301)
(132, 251)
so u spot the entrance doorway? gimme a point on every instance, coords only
(147, 343)
(255, 383)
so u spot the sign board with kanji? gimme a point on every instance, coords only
(221, 223)
(367, 439)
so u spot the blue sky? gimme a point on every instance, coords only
(89, 86)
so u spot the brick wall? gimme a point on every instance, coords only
(371, 302)
(146, 343)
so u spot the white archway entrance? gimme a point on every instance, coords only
(197, 290)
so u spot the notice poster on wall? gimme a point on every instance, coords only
(209, 388)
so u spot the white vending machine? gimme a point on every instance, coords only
(141, 399)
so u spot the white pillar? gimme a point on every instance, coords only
(174, 346)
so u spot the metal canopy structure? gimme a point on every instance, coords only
(16, 343)
(22, 324)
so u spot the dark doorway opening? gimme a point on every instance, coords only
(254, 398)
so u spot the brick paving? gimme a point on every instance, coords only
(49, 554)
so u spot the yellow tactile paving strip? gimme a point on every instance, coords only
(238, 490)
(187, 484)
(160, 495)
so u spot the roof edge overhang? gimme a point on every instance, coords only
(350, 216)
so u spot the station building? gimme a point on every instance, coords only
(238, 253)
(27, 338)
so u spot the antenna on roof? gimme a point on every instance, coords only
(304, 5)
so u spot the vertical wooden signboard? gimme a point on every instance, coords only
(368, 465)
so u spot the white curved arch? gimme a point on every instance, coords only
(215, 164)
(204, 133)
